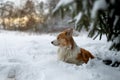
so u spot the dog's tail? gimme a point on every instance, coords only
(110, 62)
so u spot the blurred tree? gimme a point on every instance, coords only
(6, 9)
(96, 16)
(56, 23)
(23, 18)
(29, 6)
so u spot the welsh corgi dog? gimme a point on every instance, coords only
(69, 51)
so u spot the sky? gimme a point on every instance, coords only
(20, 2)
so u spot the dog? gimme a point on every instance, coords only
(69, 51)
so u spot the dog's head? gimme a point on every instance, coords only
(64, 39)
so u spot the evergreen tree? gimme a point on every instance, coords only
(96, 16)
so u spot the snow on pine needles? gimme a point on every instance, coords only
(25, 56)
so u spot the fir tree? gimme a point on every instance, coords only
(96, 16)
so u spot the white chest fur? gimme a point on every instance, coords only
(69, 55)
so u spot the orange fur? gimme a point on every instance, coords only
(84, 55)
(67, 40)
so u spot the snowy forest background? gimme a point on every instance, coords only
(30, 15)
(95, 16)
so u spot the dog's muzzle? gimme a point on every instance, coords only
(55, 42)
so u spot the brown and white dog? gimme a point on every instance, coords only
(69, 51)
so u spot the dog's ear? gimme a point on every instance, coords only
(69, 32)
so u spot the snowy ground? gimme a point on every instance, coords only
(32, 57)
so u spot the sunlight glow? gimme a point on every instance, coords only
(21, 21)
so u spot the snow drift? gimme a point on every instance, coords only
(26, 56)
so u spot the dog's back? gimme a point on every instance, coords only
(84, 55)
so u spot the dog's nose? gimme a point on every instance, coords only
(52, 42)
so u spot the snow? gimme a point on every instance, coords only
(112, 1)
(27, 56)
(78, 18)
(98, 5)
(116, 39)
(62, 3)
(115, 21)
